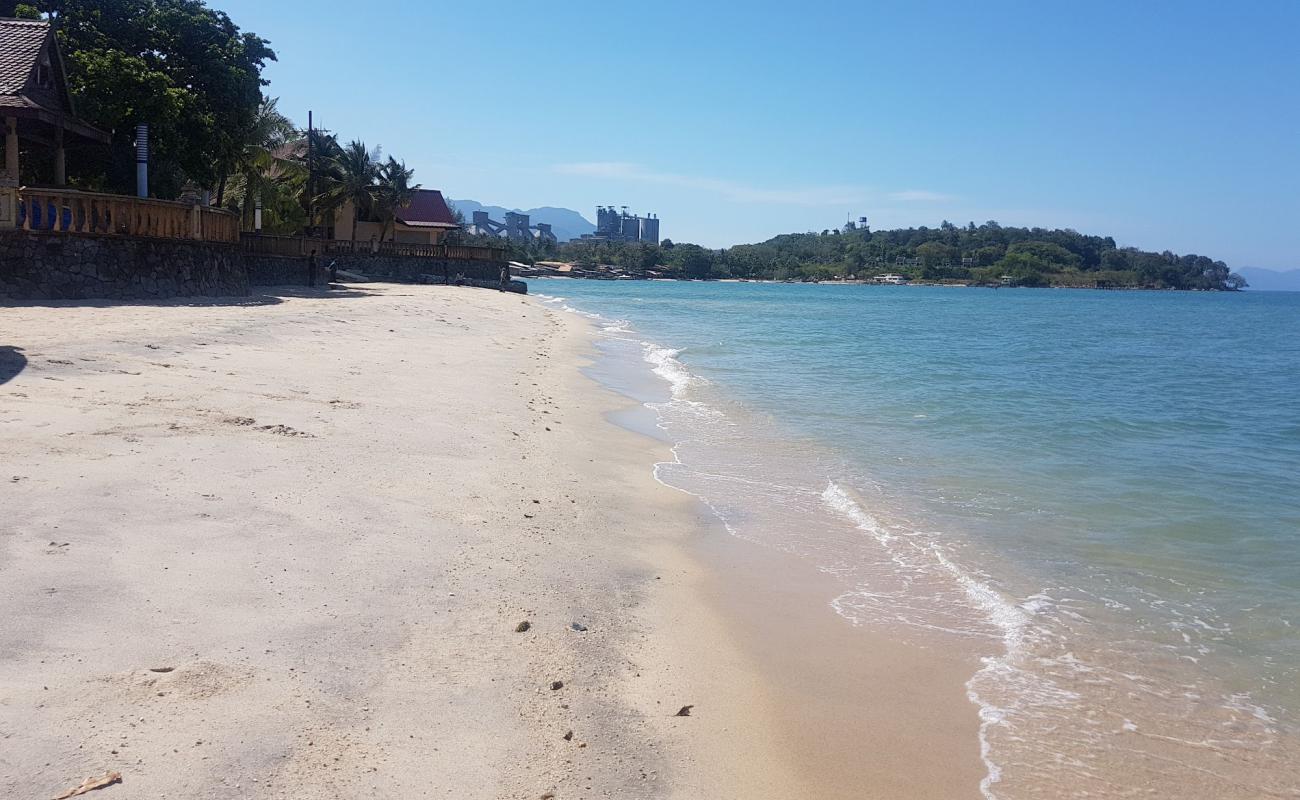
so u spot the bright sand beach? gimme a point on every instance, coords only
(281, 547)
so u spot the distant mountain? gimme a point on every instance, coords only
(1271, 280)
(565, 223)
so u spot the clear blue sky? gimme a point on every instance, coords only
(1170, 125)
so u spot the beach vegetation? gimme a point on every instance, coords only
(346, 174)
(979, 254)
(185, 69)
(268, 171)
(393, 192)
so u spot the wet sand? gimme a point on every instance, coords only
(280, 547)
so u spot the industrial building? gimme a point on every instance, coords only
(516, 228)
(616, 225)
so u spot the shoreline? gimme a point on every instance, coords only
(283, 546)
(865, 712)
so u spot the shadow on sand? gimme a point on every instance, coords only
(261, 296)
(12, 362)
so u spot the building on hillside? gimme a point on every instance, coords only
(35, 103)
(613, 225)
(516, 228)
(427, 220)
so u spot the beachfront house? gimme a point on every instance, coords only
(40, 126)
(39, 117)
(427, 220)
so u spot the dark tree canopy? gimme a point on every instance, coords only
(181, 67)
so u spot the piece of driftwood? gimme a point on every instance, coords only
(91, 784)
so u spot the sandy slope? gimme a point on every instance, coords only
(280, 547)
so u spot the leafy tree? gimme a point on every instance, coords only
(691, 260)
(1051, 256)
(181, 67)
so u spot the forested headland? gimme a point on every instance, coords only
(979, 254)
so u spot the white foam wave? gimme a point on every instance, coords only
(664, 363)
(1005, 616)
(839, 501)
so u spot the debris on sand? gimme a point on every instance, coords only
(284, 430)
(685, 711)
(91, 784)
(557, 686)
(523, 626)
(578, 626)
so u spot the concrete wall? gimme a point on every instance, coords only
(56, 266)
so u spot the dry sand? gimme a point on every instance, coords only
(279, 547)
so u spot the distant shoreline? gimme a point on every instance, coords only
(612, 277)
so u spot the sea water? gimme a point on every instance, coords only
(1097, 491)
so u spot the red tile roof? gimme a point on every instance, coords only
(427, 210)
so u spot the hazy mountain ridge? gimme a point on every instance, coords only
(566, 223)
(1271, 280)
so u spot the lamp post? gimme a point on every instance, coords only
(311, 177)
(142, 160)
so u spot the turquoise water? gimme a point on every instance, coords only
(1095, 491)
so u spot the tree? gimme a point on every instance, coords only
(184, 69)
(267, 170)
(393, 192)
(934, 254)
(691, 260)
(1051, 256)
(349, 175)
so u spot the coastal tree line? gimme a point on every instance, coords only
(196, 79)
(989, 253)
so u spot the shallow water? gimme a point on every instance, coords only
(1094, 489)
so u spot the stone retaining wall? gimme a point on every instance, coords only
(407, 269)
(264, 270)
(59, 266)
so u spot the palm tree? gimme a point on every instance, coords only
(266, 169)
(394, 192)
(351, 175)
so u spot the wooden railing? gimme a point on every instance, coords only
(69, 211)
(303, 245)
